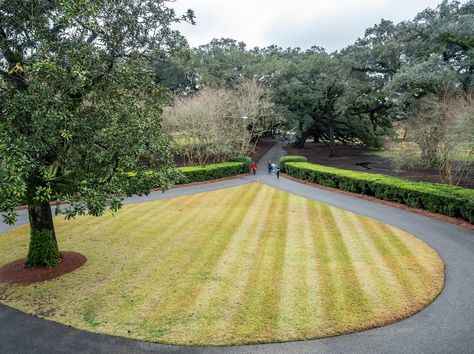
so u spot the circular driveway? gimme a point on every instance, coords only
(445, 326)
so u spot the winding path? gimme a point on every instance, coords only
(445, 326)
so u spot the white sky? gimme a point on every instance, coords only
(332, 24)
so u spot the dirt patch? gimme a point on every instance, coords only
(18, 273)
(445, 218)
(362, 159)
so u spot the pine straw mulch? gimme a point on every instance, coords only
(18, 273)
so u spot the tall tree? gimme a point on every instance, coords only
(209, 125)
(309, 91)
(79, 109)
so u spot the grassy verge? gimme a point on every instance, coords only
(249, 264)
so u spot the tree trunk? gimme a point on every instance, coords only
(316, 137)
(428, 155)
(43, 250)
(332, 144)
(300, 141)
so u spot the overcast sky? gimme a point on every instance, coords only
(332, 24)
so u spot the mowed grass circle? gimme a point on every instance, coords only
(250, 264)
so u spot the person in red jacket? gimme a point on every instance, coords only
(253, 166)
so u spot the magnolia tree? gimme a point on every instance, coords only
(216, 123)
(80, 112)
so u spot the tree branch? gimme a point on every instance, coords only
(10, 55)
(21, 83)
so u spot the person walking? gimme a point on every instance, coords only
(274, 166)
(253, 166)
(269, 167)
(278, 171)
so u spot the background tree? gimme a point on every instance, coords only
(175, 71)
(223, 63)
(79, 108)
(309, 92)
(208, 125)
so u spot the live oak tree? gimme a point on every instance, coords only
(309, 92)
(373, 60)
(223, 63)
(431, 86)
(80, 111)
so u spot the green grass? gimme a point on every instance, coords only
(249, 264)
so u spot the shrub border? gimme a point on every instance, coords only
(233, 167)
(291, 158)
(435, 197)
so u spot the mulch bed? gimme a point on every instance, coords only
(445, 218)
(18, 273)
(355, 158)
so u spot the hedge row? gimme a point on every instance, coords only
(435, 197)
(214, 171)
(292, 158)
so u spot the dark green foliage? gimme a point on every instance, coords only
(240, 159)
(43, 250)
(291, 158)
(214, 171)
(246, 159)
(435, 197)
(80, 107)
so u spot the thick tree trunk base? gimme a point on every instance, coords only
(43, 250)
(299, 143)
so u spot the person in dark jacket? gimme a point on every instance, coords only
(269, 166)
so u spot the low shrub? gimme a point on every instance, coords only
(190, 174)
(435, 197)
(240, 159)
(244, 159)
(291, 158)
(214, 171)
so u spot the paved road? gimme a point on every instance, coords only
(445, 326)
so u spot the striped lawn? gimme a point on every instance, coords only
(248, 264)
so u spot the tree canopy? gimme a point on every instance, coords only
(83, 84)
(80, 109)
(372, 83)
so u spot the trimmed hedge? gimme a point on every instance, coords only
(435, 197)
(215, 171)
(291, 158)
(241, 159)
